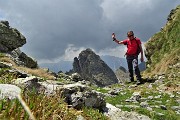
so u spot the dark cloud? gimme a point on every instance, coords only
(50, 26)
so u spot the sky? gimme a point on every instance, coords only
(58, 30)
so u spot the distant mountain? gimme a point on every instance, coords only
(114, 62)
(59, 66)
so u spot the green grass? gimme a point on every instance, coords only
(119, 99)
(99, 89)
(93, 114)
(168, 114)
(6, 78)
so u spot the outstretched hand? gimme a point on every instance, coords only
(113, 36)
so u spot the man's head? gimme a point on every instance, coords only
(130, 35)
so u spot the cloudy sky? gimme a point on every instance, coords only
(59, 29)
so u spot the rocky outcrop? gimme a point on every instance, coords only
(10, 38)
(92, 68)
(22, 59)
(10, 41)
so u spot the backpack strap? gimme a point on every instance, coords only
(138, 48)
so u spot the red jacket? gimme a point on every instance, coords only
(132, 46)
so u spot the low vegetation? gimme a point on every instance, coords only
(43, 107)
(163, 48)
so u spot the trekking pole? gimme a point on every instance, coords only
(14, 91)
(25, 107)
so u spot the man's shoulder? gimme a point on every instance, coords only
(138, 39)
(125, 40)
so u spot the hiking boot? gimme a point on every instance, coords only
(130, 81)
(138, 82)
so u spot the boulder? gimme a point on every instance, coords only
(76, 95)
(9, 91)
(10, 38)
(30, 84)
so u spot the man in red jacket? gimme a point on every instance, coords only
(133, 44)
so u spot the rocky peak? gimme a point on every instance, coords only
(92, 68)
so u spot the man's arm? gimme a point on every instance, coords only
(117, 41)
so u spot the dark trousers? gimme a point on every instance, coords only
(132, 62)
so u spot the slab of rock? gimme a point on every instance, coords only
(8, 91)
(116, 114)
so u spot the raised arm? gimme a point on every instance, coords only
(114, 39)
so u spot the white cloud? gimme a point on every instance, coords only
(118, 51)
(71, 52)
(60, 29)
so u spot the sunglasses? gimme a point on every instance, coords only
(130, 35)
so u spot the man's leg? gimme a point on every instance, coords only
(137, 71)
(130, 68)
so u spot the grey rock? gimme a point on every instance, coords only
(156, 97)
(20, 74)
(76, 77)
(150, 97)
(30, 84)
(10, 38)
(160, 114)
(163, 107)
(92, 68)
(149, 108)
(144, 104)
(5, 65)
(79, 95)
(8, 91)
(136, 97)
(115, 91)
(115, 113)
(176, 108)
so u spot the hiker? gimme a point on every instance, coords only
(133, 49)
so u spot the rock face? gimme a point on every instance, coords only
(10, 38)
(92, 68)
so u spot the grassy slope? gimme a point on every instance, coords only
(163, 49)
